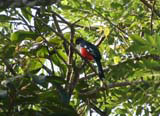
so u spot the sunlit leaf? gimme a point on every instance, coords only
(100, 29)
(117, 59)
(106, 31)
(34, 64)
(21, 35)
(64, 2)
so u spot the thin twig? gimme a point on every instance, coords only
(64, 20)
(24, 20)
(60, 31)
(100, 40)
(64, 61)
(9, 67)
(98, 110)
(111, 23)
(50, 55)
(46, 68)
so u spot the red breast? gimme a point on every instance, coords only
(86, 54)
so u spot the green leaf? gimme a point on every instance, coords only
(121, 111)
(56, 60)
(21, 35)
(8, 51)
(6, 18)
(106, 31)
(138, 39)
(25, 12)
(157, 39)
(136, 47)
(150, 39)
(151, 64)
(34, 64)
(64, 2)
(116, 59)
(56, 41)
(137, 95)
(116, 5)
(42, 52)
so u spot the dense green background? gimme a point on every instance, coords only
(42, 73)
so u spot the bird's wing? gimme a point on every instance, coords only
(93, 50)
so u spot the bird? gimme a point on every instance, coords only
(90, 52)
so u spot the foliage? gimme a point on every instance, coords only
(42, 72)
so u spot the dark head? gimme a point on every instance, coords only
(79, 40)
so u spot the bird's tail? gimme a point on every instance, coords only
(100, 70)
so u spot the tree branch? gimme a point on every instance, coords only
(24, 3)
(70, 59)
(60, 31)
(111, 85)
(63, 20)
(150, 7)
(100, 40)
(9, 67)
(24, 20)
(90, 104)
(150, 56)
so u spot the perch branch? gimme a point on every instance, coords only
(111, 85)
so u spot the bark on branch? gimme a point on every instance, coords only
(136, 58)
(24, 3)
(111, 85)
(151, 7)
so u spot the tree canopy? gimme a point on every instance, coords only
(43, 74)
